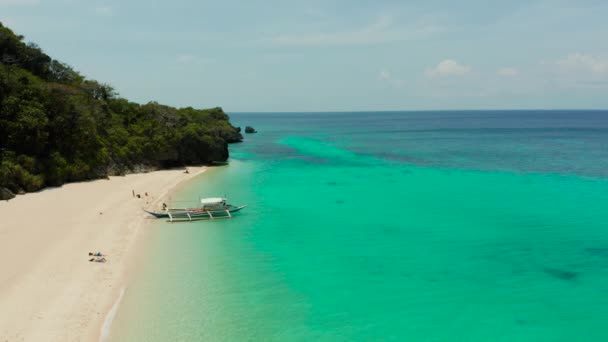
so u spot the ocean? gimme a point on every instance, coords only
(389, 226)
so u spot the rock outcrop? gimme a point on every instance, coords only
(6, 194)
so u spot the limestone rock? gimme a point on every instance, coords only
(6, 194)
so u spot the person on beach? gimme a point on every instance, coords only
(98, 259)
(133, 192)
(96, 254)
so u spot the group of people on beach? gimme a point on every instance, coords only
(97, 257)
(137, 195)
(140, 196)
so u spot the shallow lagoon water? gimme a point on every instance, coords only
(433, 226)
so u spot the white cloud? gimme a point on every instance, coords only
(578, 71)
(448, 67)
(103, 10)
(184, 58)
(381, 31)
(385, 76)
(584, 62)
(508, 72)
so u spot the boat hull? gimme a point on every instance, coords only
(191, 214)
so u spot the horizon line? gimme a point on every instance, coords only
(419, 110)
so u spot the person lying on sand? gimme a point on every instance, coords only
(98, 260)
(97, 254)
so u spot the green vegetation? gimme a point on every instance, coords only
(56, 126)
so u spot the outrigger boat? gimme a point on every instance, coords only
(210, 209)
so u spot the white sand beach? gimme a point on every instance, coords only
(49, 291)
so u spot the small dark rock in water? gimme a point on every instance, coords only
(339, 201)
(561, 274)
(332, 183)
(6, 194)
(250, 129)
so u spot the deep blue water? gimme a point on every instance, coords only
(563, 142)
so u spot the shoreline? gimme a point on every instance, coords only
(107, 322)
(48, 289)
(137, 252)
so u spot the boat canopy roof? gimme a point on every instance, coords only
(212, 200)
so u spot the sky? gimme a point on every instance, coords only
(331, 55)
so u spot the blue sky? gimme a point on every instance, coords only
(331, 55)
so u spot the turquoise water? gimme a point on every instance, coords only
(437, 226)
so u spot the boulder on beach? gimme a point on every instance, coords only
(6, 194)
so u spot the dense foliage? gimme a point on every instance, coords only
(56, 126)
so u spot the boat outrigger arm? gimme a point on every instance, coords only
(211, 209)
(195, 215)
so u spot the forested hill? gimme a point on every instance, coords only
(56, 126)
